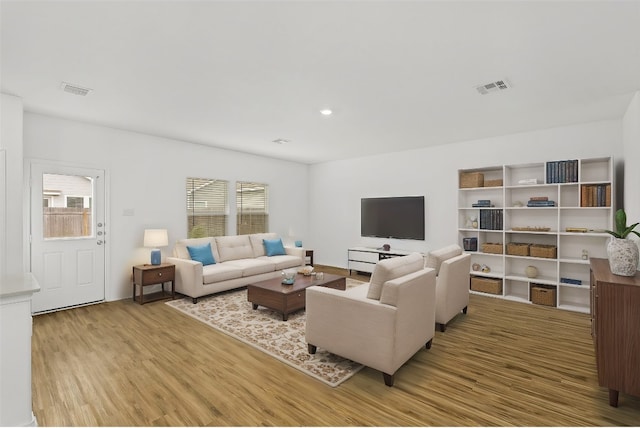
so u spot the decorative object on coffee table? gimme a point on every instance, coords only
(289, 276)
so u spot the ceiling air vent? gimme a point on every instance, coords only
(498, 85)
(75, 89)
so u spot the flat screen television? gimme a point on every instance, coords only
(393, 217)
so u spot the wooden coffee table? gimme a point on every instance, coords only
(287, 299)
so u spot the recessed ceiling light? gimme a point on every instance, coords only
(326, 112)
(281, 141)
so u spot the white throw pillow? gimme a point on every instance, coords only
(393, 268)
(435, 258)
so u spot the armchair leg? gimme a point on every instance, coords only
(311, 348)
(464, 310)
(194, 300)
(428, 345)
(388, 379)
(443, 327)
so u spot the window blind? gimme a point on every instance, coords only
(207, 207)
(252, 207)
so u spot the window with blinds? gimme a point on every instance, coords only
(207, 207)
(252, 204)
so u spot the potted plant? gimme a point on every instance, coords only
(622, 252)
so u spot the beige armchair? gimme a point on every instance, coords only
(452, 282)
(380, 324)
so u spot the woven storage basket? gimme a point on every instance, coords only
(471, 179)
(486, 285)
(543, 294)
(546, 251)
(517, 249)
(492, 248)
(493, 183)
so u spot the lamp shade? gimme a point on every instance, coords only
(156, 238)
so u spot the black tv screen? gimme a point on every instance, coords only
(393, 217)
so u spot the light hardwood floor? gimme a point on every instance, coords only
(504, 363)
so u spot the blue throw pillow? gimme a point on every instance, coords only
(274, 247)
(202, 254)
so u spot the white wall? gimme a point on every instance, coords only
(11, 224)
(631, 144)
(336, 187)
(147, 175)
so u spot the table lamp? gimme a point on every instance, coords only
(155, 238)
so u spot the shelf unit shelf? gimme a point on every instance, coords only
(569, 211)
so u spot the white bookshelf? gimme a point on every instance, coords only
(510, 200)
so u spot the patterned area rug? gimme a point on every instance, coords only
(232, 314)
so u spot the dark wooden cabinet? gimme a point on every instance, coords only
(144, 275)
(615, 328)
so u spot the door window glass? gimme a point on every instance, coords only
(67, 213)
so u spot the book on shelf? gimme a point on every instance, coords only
(595, 195)
(491, 219)
(563, 171)
(541, 204)
(571, 281)
(576, 229)
(482, 203)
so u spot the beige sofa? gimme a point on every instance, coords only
(380, 324)
(239, 261)
(452, 268)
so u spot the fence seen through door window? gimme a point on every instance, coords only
(67, 206)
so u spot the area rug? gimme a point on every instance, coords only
(232, 314)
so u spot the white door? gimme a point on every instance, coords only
(67, 235)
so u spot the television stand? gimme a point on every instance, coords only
(364, 259)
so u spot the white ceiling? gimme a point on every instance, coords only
(398, 75)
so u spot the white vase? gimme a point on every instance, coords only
(623, 256)
(531, 271)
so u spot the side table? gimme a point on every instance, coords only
(144, 275)
(309, 253)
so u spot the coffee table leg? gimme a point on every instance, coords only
(255, 306)
(285, 317)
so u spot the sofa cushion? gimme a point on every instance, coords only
(435, 258)
(220, 272)
(393, 268)
(282, 262)
(234, 247)
(180, 249)
(253, 266)
(257, 243)
(274, 247)
(202, 254)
